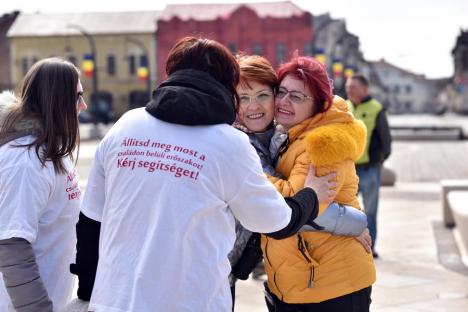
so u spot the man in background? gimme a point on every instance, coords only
(378, 147)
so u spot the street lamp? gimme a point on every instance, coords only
(95, 132)
(92, 46)
(140, 44)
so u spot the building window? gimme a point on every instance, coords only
(72, 59)
(24, 65)
(408, 107)
(257, 49)
(280, 53)
(131, 65)
(396, 89)
(143, 61)
(308, 49)
(408, 89)
(232, 47)
(111, 65)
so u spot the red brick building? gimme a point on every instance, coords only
(274, 30)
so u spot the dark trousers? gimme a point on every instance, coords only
(369, 186)
(358, 301)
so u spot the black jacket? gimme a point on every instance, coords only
(381, 139)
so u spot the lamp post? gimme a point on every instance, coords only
(140, 44)
(92, 46)
(95, 132)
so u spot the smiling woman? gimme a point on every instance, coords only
(256, 109)
(313, 269)
(255, 117)
(257, 82)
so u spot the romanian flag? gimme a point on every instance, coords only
(142, 73)
(337, 69)
(348, 72)
(88, 66)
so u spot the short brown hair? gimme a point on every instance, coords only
(256, 68)
(362, 79)
(208, 56)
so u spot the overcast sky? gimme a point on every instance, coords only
(417, 35)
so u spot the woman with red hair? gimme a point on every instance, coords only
(317, 271)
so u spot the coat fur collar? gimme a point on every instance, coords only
(23, 127)
(7, 102)
(333, 136)
(334, 143)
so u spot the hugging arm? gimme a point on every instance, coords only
(335, 219)
(339, 220)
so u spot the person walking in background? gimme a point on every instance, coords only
(39, 192)
(378, 148)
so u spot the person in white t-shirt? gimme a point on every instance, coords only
(39, 192)
(164, 190)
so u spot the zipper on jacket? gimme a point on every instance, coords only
(302, 247)
(311, 278)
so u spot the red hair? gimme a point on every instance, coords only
(315, 78)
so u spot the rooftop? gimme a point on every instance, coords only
(204, 12)
(47, 24)
(384, 64)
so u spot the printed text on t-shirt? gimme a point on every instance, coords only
(178, 160)
(73, 190)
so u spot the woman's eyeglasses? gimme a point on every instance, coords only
(79, 97)
(294, 96)
(261, 98)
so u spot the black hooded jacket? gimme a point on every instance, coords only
(192, 97)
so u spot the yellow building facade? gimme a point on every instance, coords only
(124, 43)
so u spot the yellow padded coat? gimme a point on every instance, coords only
(313, 267)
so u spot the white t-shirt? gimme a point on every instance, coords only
(166, 195)
(42, 207)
